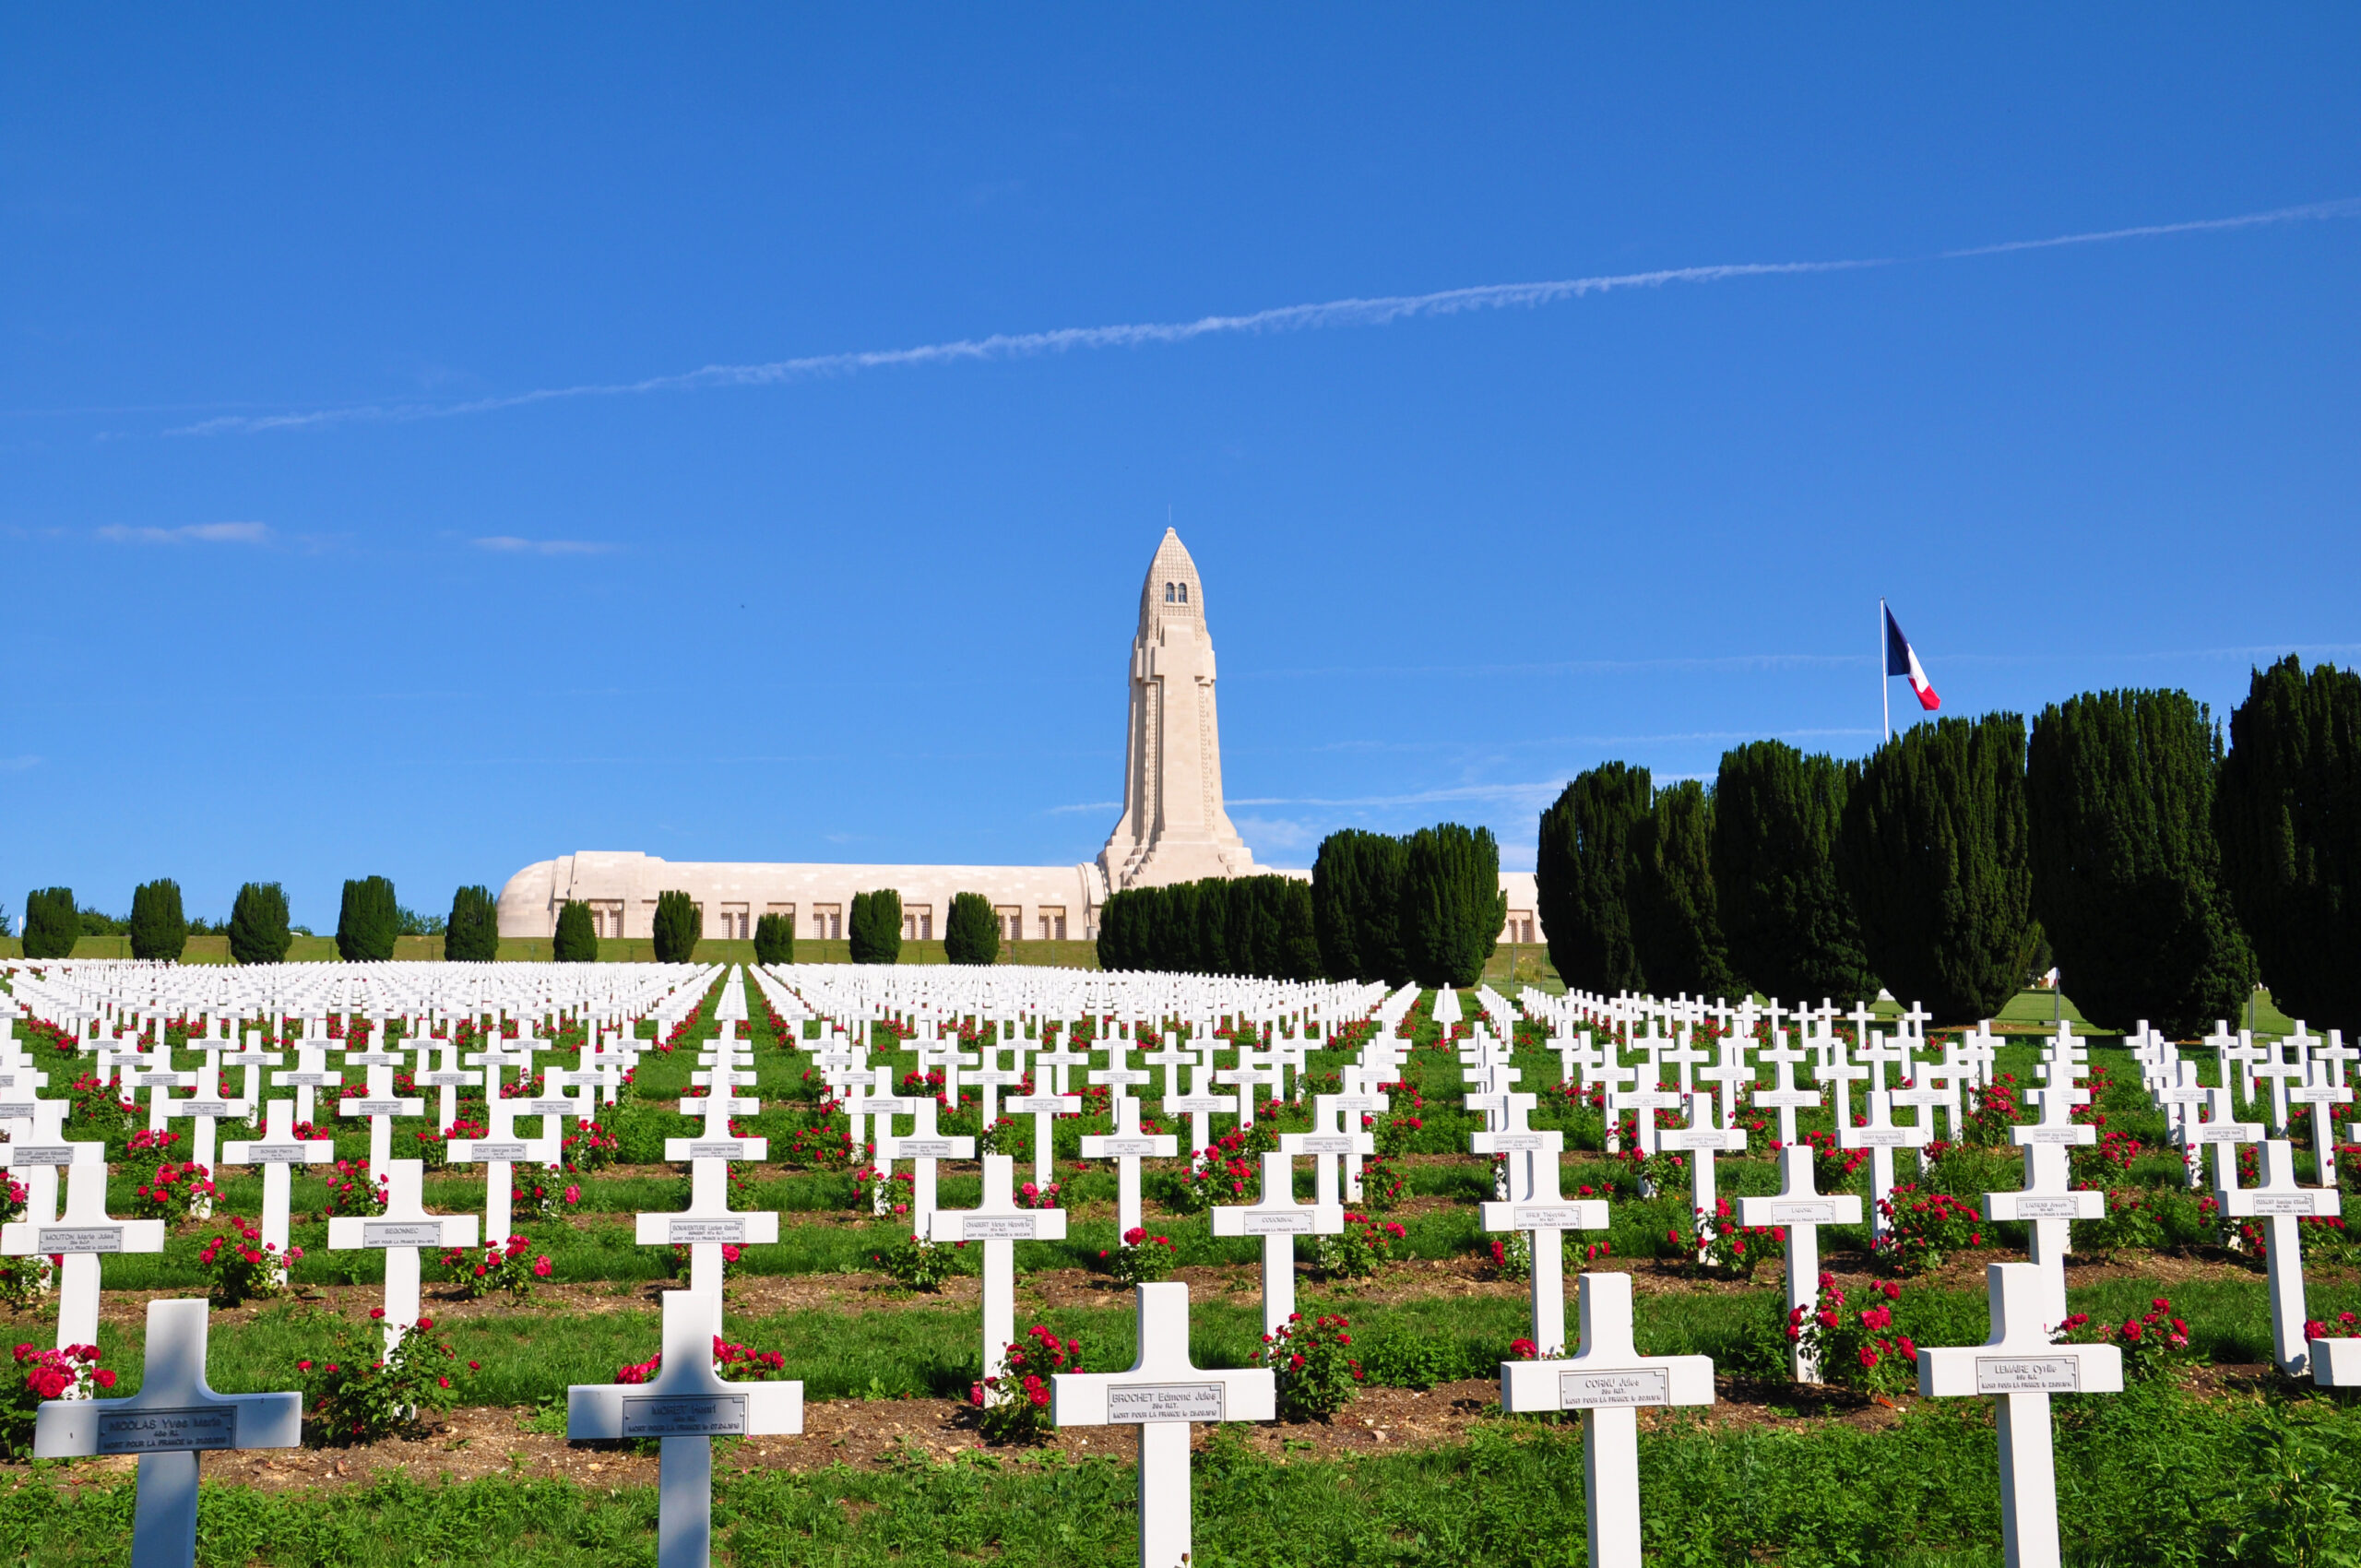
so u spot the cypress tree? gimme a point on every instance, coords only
(1583, 872)
(679, 924)
(876, 929)
(159, 928)
(472, 933)
(577, 941)
(1167, 936)
(1339, 892)
(258, 932)
(2119, 803)
(2288, 816)
(1452, 904)
(1118, 943)
(369, 921)
(51, 923)
(775, 938)
(1384, 859)
(1789, 928)
(1299, 937)
(971, 934)
(1933, 855)
(1676, 922)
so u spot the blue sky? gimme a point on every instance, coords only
(306, 586)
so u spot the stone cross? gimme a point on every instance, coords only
(1171, 1056)
(380, 1105)
(2323, 1090)
(310, 1073)
(446, 1080)
(1782, 1095)
(1800, 1209)
(2021, 1369)
(277, 1148)
(2226, 1134)
(1278, 1218)
(1199, 1106)
(250, 1059)
(2281, 1068)
(1327, 1143)
(203, 1109)
(999, 1224)
(173, 1417)
(924, 1146)
(39, 1126)
(399, 1233)
(1058, 1060)
(1537, 1208)
(687, 1405)
(1701, 1139)
(1837, 1071)
(991, 1077)
(1609, 1382)
(1045, 1109)
(1163, 1395)
(1881, 1137)
(81, 1234)
(2283, 1203)
(499, 1151)
(2046, 1204)
(1127, 1145)
(708, 1223)
(1249, 1070)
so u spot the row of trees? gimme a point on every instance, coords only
(2160, 874)
(1426, 907)
(1247, 925)
(367, 922)
(873, 929)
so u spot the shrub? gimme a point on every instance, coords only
(471, 934)
(970, 931)
(1315, 1370)
(1923, 1229)
(1731, 1250)
(679, 924)
(2155, 1344)
(545, 1200)
(1861, 1349)
(24, 1280)
(1014, 1407)
(683, 1259)
(915, 1264)
(241, 1267)
(163, 1188)
(1364, 1245)
(52, 924)
(508, 1265)
(159, 928)
(734, 1363)
(71, 1373)
(590, 1146)
(1452, 906)
(349, 1191)
(875, 927)
(1357, 906)
(358, 1391)
(1142, 1259)
(369, 921)
(258, 931)
(2134, 1222)
(775, 939)
(98, 1112)
(1776, 817)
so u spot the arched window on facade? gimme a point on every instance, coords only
(1184, 591)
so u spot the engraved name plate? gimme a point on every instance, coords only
(401, 1233)
(1144, 1402)
(692, 1415)
(2028, 1374)
(168, 1431)
(1638, 1386)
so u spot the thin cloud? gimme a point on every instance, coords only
(1085, 806)
(192, 533)
(508, 544)
(1380, 311)
(19, 764)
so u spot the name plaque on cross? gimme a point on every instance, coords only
(1259, 1222)
(40, 1154)
(1142, 1403)
(1313, 1143)
(80, 1239)
(729, 1232)
(1002, 1227)
(720, 1148)
(2028, 1374)
(193, 1429)
(658, 1415)
(929, 1148)
(479, 1150)
(1596, 1390)
(1516, 1143)
(1117, 1148)
(401, 1233)
(1802, 1211)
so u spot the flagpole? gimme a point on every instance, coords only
(1885, 680)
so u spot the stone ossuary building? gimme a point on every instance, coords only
(1173, 828)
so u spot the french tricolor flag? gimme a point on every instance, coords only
(1901, 661)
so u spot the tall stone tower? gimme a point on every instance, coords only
(1173, 828)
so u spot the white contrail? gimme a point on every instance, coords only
(1285, 318)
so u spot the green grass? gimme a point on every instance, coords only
(2148, 1477)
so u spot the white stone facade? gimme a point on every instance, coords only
(1173, 828)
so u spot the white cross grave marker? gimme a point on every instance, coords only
(687, 1405)
(173, 1417)
(399, 1233)
(2020, 1368)
(1801, 1209)
(999, 1224)
(1608, 1383)
(1163, 1395)
(277, 1149)
(1278, 1218)
(2285, 1205)
(81, 1234)
(1127, 1145)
